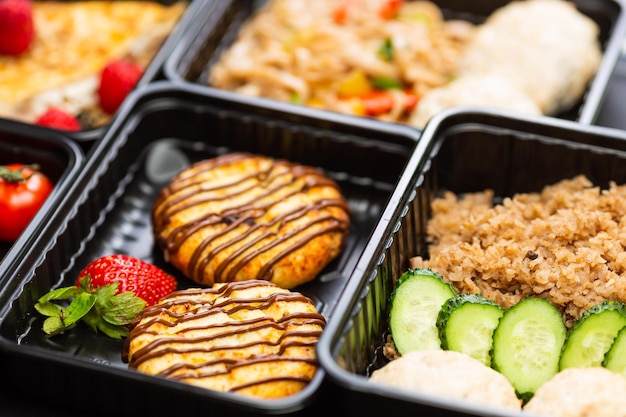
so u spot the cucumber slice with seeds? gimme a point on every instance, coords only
(592, 335)
(466, 323)
(527, 344)
(615, 358)
(415, 304)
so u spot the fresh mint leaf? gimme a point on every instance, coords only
(79, 307)
(64, 293)
(113, 331)
(53, 325)
(123, 308)
(49, 309)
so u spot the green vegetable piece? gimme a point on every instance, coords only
(386, 83)
(415, 304)
(527, 344)
(295, 98)
(592, 335)
(466, 323)
(385, 52)
(615, 358)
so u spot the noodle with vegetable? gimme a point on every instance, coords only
(361, 57)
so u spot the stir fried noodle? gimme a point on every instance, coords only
(362, 57)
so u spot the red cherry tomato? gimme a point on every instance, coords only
(23, 189)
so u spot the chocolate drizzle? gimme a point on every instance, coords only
(241, 229)
(185, 325)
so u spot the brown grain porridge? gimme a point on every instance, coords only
(565, 244)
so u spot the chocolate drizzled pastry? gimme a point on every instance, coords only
(241, 216)
(249, 337)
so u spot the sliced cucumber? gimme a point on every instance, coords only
(615, 358)
(527, 344)
(592, 335)
(415, 304)
(466, 323)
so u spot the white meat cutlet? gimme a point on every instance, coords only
(448, 374)
(548, 48)
(581, 392)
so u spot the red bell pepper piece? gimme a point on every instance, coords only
(389, 9)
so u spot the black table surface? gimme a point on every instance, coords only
(16, 404)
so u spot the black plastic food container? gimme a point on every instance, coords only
(161, 130)
(214, 32)
(154, 70)
(58, 157)
(461, 150)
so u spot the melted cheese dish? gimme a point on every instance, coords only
(74, 41)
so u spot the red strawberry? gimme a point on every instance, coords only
(59, 119)
(133, 275)
(17, 30)
(118, 78)
(109, 293)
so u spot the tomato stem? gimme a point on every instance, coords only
(17, 175)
